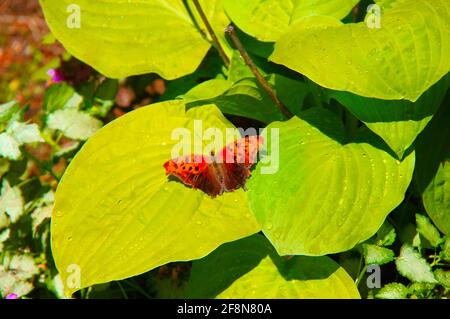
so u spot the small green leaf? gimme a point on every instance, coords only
(56, 286)
(8, 111)
(11, 201)
(413, 266)
(9, 284)
(393, 290)
(73, 123)
(386, 235)
(443, 277)
(4, 234)
(4, 166)
(377, 255)
(9, 147)
(61, 96)
(107, 90)
(445, 253)
(25, 133)
(427, 230)
(16, 135)
(420, 289)
(39, 215)
(4, 220)
(23, 267)
(250, 268)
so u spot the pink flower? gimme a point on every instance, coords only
(11, 296)
(56, 75)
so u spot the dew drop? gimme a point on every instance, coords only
(59, 213)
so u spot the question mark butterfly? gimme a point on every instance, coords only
(215, 174)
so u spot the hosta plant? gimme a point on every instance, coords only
(353, 105)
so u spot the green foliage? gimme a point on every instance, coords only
(73, 123)
(168, 43)
(400, 60)
(398, 123)
(427, 230)
(340, 188)
(393, 290)
(413, 266)
(355, 168)
(250, 268)
(194, 223)
(436, 198)
(374, 254)
(268, 20)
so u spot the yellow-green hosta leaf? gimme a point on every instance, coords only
(429, 156)
(117, 215)
(398, 123)
(267, 20)
(218, 20)
(385, 4)
(250, 268)
(324, 195)
(399, 60)
(244, 98)
(436, 199)
(122, 38)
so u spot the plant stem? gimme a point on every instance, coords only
(211, 32)
(122, 290)
(138, 288)
(266, 86)
(361, 275)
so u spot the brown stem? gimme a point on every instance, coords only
(212, 33)
(266, 86)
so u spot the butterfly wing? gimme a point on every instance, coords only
(188, 169)
(226, 172)
(242, 151)
(235, 161)
(195, 171)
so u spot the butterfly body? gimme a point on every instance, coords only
(216, 174)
